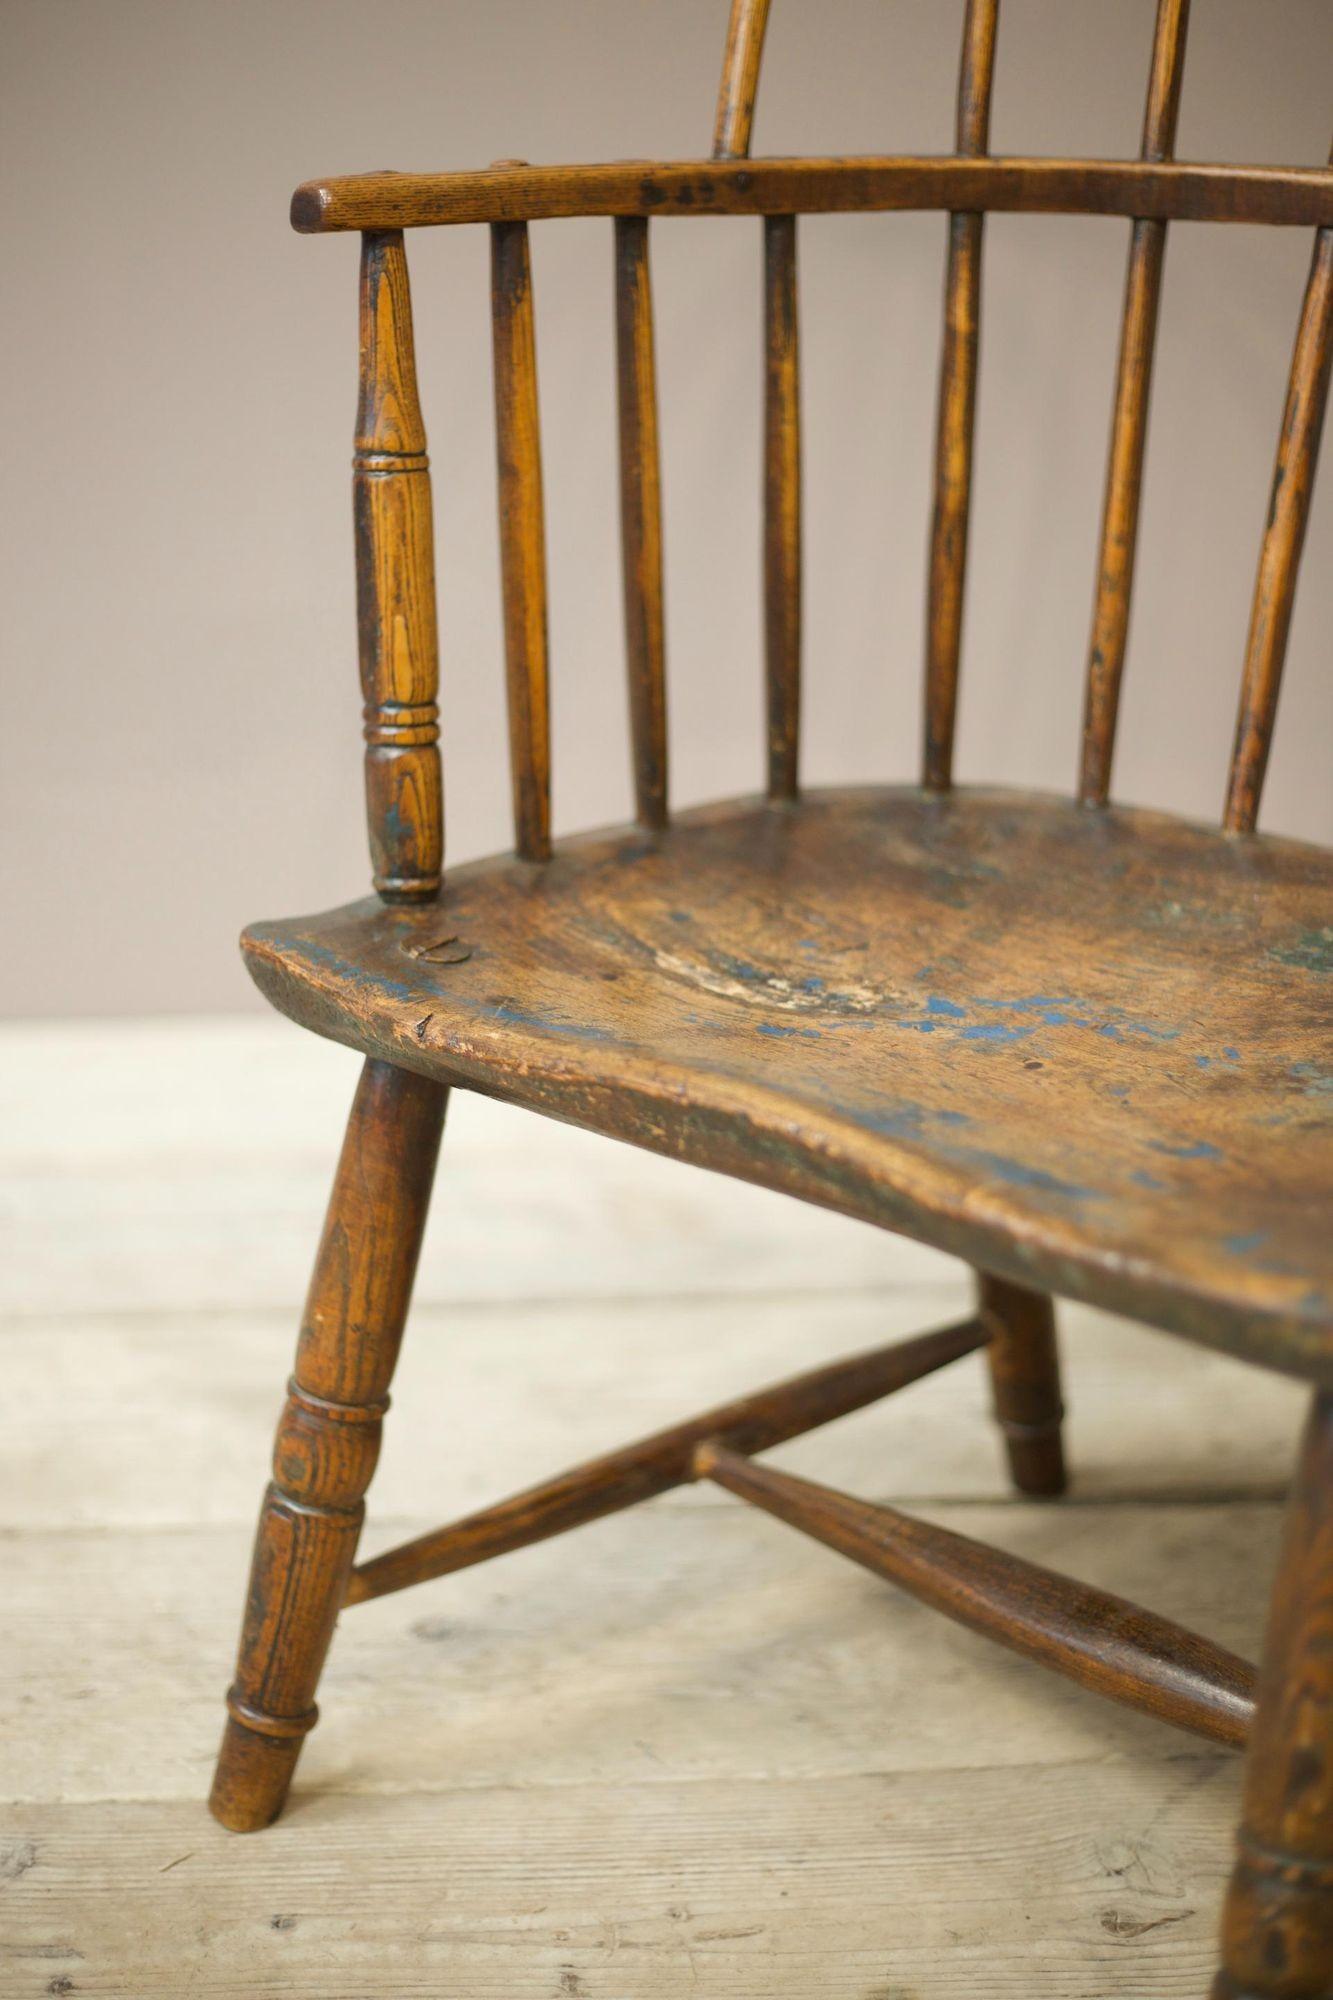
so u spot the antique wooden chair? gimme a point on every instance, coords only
(1077, 1045)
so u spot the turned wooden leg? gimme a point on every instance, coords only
(1277, 1928)
(328, 1436)
(1025, 1382)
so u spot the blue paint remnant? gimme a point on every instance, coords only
(953, 1118)
(1314, 1079)
(1017, 1175)
(740, 968)
(355, 975)
(1032, 1002)
(1202, 1062)
(938, 1005)
(776, 1028)
(812, 985)
(1140, 1179)
(1242, 1246)
(1311, 950)
(519, 1017)
(1056, 1017)
(1118, 1090)
(1232, 1055)
(679, 916)
(1198, 1150)
(808, 944)
(995, 1031)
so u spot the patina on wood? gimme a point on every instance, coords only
(1129, 428)
(328, 1436)
(1085, 1050)
(1296, 196)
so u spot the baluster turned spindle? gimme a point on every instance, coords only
(641, 518)
(522, 535)
(395, 575)
(782, 413)
(1124, 472)
(1284, 536)
(957, 408)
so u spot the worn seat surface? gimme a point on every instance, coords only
(1090, 1050)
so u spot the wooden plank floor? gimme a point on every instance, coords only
(682, 1752)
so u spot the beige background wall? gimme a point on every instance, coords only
(181, 747)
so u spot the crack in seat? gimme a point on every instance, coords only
(1089, 1050)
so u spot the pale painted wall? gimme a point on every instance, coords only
(182, 744)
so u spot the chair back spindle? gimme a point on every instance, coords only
(1284, 538)
(395, 576)
(782, 410)
(641, 518)
(395, 580)
(522, 537)
(957, 408)
(1124, 472)
(740, 79)
(782, 506)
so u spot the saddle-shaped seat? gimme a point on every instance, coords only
(1087, 1049)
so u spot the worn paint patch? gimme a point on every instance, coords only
(509, 1012)
(1246, 1244)
(995, 1031)
(1311, 950)
(1197, 1149)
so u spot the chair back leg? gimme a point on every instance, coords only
(1025, 1383)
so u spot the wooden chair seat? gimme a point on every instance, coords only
(1084, 1049)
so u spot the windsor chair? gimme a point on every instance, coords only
(1075, 1044)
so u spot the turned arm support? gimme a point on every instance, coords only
(395, 588)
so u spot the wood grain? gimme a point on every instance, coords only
(1129, 425)
(1102, 1642)
(957, 409)
(1295, 196)
(395, 579)
(1025, 1383)
(641, 519)
(641, 1471)
(1106, 1889)
(739, 84)
(1108, 1091)
(1284, 539)
(1278, 1925)
(782, 507)
(328, 1437)
(522, 537)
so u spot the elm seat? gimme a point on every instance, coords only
(1098, 1040)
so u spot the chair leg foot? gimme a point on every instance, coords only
(328, 1437)
(1025, 1383)
(1277, 1927)
(253, 1776)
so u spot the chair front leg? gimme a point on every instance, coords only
(1277, 1928)
(1025, 1382)
(328, 1436)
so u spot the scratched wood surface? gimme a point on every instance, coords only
(1114, 1086)
(618, 1766)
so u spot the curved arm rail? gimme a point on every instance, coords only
(1301, 196)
